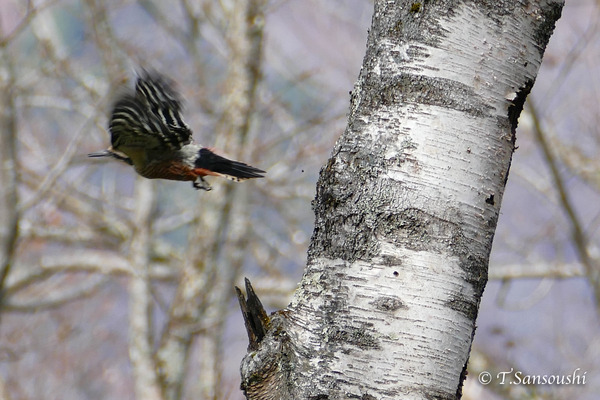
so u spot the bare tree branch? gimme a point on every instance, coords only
(537, 270)
(577, 233)
(9, 212)
(56, 299)
(32, 12)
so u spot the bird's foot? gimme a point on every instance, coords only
(201, 185)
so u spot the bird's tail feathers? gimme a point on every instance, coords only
(209, 163)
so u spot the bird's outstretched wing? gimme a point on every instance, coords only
(150, 118)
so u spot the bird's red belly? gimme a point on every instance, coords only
(175, 171)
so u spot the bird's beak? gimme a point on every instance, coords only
(112, 153)
(103, 153)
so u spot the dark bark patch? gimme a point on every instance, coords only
(358, 337)
(388, 303)
(551, 12)
(432, 394)
(463, 376)
(419, 89)
(476, 271)
(417, 23)
(462, 305)
(415, 7)
(516, 106)
(418, 230)
(391, 261)
(356, 236)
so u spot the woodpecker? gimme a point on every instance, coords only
(148, 132)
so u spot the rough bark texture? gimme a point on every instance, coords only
(406, 207)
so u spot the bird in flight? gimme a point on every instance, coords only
(148, 132)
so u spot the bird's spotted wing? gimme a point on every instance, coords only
(150, 118)
(157, 93)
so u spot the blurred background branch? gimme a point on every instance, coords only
(9, 212)
(579, 237)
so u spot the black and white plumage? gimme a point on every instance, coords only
(148, 131)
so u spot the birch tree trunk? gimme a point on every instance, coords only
(407, 206)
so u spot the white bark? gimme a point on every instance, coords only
(407, 206)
